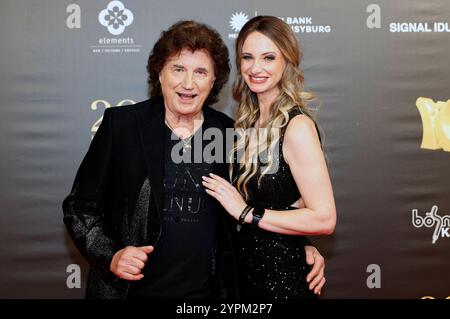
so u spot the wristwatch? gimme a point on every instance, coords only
(257, 213)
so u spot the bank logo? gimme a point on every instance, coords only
(441, 224)
(115, 17)
(104, 104)
(435, 124)
(238, 20)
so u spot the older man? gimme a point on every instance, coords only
(142, 218)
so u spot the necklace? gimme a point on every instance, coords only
(186, 141)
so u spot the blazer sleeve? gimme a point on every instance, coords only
(84, 216)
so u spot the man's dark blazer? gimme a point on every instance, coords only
(117, 196)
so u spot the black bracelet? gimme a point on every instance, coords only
(257, 213)
(242, 217)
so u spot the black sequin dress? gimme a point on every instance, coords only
(272, 265)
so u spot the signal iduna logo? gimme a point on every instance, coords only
(441, 224)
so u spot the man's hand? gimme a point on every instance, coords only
(128, 262)
(227, 195)
(315, 277)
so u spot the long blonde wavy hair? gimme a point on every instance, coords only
(292, 95)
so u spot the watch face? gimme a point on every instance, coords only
(258, 213)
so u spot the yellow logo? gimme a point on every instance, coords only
(435, 122)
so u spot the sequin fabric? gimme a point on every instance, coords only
(272, 265)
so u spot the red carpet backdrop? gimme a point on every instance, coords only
(381, 71)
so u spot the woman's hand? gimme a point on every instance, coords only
(316, 277)
(227, 195)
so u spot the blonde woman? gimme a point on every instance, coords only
(281, 189)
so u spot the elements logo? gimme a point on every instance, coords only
(115, 17)
(441, 224)
(94, 106)
(297, 24)
(436, 123)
